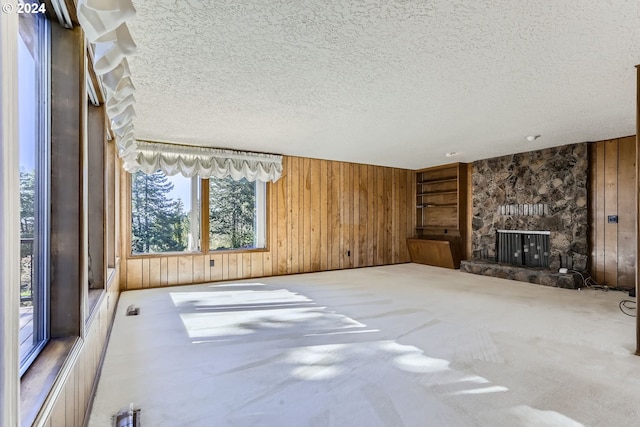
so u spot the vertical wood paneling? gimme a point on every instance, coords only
(355, 216)
(403, 203)
(334, 212)
(611, 208)
(347, 209)
(323, 215)
(306, 215)
(172, 271)
(246, 265)
(185, 269)
(282, 232)
(267, 264)
(71, 403)
(272, 214)
(154, 272)
(626, 211)
(58, 416)
(145, 273)
(398, 188)
(206, 268)
(342, 215)
(612, 167)
(388, 201)
(257, 269)
(600, 212)
(363, 205)
(217, 271)
(134, 274)
(381, 214)
(232, 266)
(293, 217)
(372, 227)
(198, 269)
(314, 238)
(164, 271)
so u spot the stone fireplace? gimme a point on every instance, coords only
(542, 191)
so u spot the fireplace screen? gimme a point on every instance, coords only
(519, 247)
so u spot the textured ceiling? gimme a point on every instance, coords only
(387, 82)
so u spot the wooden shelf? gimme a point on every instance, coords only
(438, 192)
(436, 181)
(443, 205)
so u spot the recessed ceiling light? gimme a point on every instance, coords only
(532, 138)
(451, 154)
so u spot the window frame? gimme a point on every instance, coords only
(68, 295)
(260, 222)
(204, 225)
(41, 260)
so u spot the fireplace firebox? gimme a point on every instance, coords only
(524, 247)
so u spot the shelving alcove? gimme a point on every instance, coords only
(441, 216)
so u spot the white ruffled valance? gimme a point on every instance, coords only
(204, 162)
(104, 25)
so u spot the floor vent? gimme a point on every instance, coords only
(127, 418)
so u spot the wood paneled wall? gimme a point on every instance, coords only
(70, 408)
(612, 192)
(322, 215)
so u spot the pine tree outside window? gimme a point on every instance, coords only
(236, 214)
(164, 213)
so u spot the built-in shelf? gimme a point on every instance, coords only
(436, 181)
(441, 209)
(438, 192)
(444, 205)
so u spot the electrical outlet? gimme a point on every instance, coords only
(348, 253)
(212, 263)
(612, 219)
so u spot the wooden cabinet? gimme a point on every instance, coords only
(441, 214)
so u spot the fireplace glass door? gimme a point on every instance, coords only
(523, 248)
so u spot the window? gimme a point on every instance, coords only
(236, 214)
(164, 213)
(33, 122)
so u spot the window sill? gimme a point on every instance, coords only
(93, 298)
(211, 252)
(237, 251)
(165, 254)
(39, 386)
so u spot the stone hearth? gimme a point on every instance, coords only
(538, 276)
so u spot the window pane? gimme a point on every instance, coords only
(164, 213)
(33, 89)
(236, 214)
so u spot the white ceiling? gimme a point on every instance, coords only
(386, 82)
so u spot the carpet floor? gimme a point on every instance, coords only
(402, 345)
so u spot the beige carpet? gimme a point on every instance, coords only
(404, 345)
